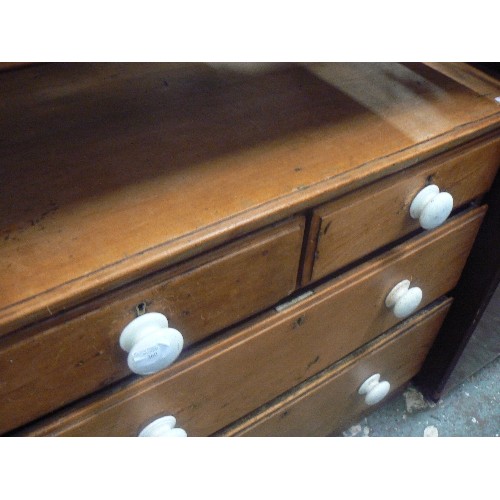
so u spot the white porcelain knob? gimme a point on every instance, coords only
(431, 207)
(374, 390)
(403, 300)
(150, 343)
(163, 427)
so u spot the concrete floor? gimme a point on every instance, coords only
(470, 409)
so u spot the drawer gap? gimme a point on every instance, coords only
(380, 251)
(344, 364)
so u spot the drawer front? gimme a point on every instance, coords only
(355, 225)
(78, 352)
(330, 402)
(216, 385)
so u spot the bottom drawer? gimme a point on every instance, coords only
(329, 402)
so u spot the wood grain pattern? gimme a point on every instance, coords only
(50, 365)
(127, 168)
(251, 366)
(358, 223)
(469, 76)
(329, 402)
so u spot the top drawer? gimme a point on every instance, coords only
(354, 225)
(59, 360)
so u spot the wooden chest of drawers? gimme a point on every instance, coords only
(266, 217)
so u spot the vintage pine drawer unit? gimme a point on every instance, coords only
(265, 216)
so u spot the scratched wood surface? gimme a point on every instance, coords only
(56, 362)
(329, 402)
(260, 360)
(358, 223)
(470, 76)
(112, 171)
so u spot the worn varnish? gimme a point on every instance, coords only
(330, 402)
(113, 171)
(47, 366)
(469, 76)
(220, 383)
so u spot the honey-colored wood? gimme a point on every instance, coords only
(329, 402)
(253, 365)
(50, 365)
(469, 76)
(114, 171)
(363, 221)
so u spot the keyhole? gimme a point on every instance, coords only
(140, 309)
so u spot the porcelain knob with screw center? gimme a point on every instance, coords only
(374, 390)
(150, 343)
(403, 300)
(163, 427)
(431, 207)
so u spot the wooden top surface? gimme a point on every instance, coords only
(110, 171)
